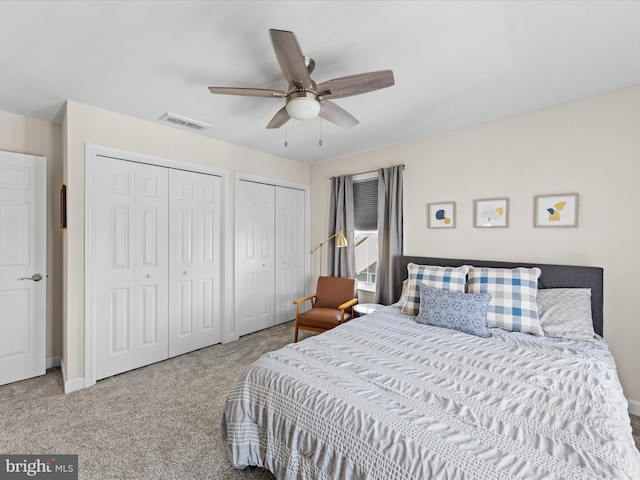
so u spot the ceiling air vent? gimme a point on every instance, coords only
(184, 121)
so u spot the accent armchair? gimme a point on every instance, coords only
(331, 305)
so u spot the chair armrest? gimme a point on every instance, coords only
(348, 304)
(302, 300)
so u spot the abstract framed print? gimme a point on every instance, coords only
(441, 215)
(559, 210)
(491, 213)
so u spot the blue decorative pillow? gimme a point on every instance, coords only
(514, 291)
(443, 278)
(465, 312)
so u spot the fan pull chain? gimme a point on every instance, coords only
(320, 139)
(286, 144)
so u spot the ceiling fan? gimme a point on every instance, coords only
(305, 100)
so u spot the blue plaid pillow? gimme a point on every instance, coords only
(514, 291)
(442, 278)
(465, 312)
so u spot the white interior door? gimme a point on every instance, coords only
(23, 246)
(290, 251)
(255, 252)
(195, 296)
(130, 221)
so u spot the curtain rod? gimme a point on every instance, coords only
(369, 171)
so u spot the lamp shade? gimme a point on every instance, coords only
(341, 240)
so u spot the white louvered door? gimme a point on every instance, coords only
(130, 282)
(195, 303)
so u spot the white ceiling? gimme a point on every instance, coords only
(455, 63)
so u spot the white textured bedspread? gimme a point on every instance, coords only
(383, 397)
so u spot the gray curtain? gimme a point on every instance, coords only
(390, 230)
(341, 261)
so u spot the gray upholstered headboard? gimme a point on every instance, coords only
(553, 276)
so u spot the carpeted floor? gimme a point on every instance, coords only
(157, 422)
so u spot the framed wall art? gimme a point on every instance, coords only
(491, 213)
(441, 215)
(559, 210)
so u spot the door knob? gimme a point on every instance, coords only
(148, 275)
(36, 277)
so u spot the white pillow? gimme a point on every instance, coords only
(566, 313)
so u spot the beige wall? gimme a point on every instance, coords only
(36, 137)
(86, 124)
(591, 147)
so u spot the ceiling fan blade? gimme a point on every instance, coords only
(291, 59)
(279, 118)
(356, 84)
(338, 115)
(249, 92)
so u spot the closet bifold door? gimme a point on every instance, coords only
(195, 288)
(255, 256)
(130, 266)
(290, 252)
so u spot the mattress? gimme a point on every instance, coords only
(383, 397)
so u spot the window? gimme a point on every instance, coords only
(365, 210)
(366, 259)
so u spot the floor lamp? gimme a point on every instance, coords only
(341, 241)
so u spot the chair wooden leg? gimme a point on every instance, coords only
(295, 336)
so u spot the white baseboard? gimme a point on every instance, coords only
(53, 362)
(634, 407)
(71, 385)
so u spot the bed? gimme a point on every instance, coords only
(387, 396)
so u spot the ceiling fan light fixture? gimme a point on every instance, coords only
(305, 99)
(303, 105)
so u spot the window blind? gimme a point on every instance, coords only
(365, 204)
